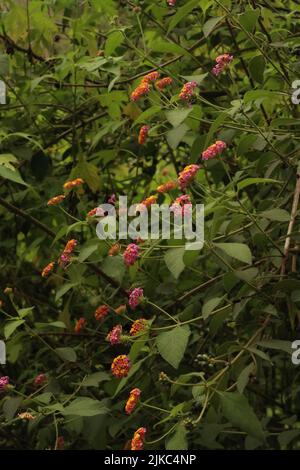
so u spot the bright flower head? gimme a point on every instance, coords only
(182, 205)
(26, 416)
(114, 249)
(221, 63)
(151, 77)
(135, 297)
(101, 312)
(40, 379)
(92, 212)
(138, 326)
(214, 149)
(80, 324)
(163, 83)
(137, 442)
(48, 269)
(187, 91)
(73, 183)
(4, 382)
(55, 200)
(112, 199)
(121, 309)
(171, 3)
(131, 254)
(146, 203)
(132, 400)
(187, 175)
(120, 366)
(68, 250)
(143, 134)
(142, 90)
(114, 336)
(70, 246)
(166, 187)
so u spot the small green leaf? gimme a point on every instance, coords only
(113, 41)
(244, 376)
(178, 440)
(175, 136)
(279, 215)
(256, 68)
(93, 380)
(182, 12)
(238, 251)
(143, 117)
(12, 175)
(172, 344)
(174, 260)
(249, 19)
(249, 181)
(239, 413)
(85, 406)
(11, 326)
(67, 354)
(63, 290)
(209, 306)
(209, 26)
(177, 116)
(10, 407)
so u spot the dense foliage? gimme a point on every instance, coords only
(209, 366)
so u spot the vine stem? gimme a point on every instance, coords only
(291, 224)
(163, 311)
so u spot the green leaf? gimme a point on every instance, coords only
(67, 354)
(177, 116)
(249, 19)
(89, 173)
(143, 117)
(238, 251)
(279, 344)
(11, 326)
(209, 306)
(209, 26)
(53, 324)
(240, 414)
(175, 136)
(6, 159)
(174, 260)
(195, 78)
(23, 312)
(113, 41)
(286, 437)
(249, 181)
(160, 45)
(172, 344)
(256, 68)
(261, 95)
(10, 407)
(114, 267)
(87, 250)
(279, 215)
(12, 175)
(85, 406)
(178, 440)
(93, 380)
(63, 290)
(244, 376)
(182, 12)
